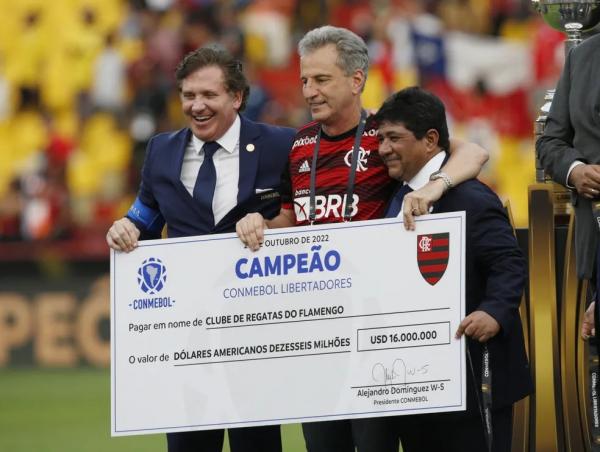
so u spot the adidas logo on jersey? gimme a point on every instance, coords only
(304, 168)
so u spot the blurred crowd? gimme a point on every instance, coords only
(85, 83)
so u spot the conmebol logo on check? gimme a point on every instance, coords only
(152, 275)
(432, 255)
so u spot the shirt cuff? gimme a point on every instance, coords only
(573, 165)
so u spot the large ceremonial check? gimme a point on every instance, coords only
(326, 322)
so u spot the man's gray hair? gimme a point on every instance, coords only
(352, 50)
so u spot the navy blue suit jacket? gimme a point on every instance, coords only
(163, 197)
(495, 278)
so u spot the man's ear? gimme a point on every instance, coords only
(358, 81)
(237, 99)
(432, 137)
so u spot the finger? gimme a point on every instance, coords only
(409, 219)
(472, 330)
(461, 328)
(585, 333)
(259, 228)
(593, 174)
(240, 232)
(589, 191)
(248, 236)
(112, 244)
(484, 333)
(113, 235)
(120, 235)
(132, 236)
(256, 232)
(254, 241)
(423, 207)
(587, 195)
(252, 235)
(121, 243)
(410, 209)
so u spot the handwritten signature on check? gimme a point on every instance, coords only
(396, 372)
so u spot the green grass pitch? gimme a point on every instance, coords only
(69, 411)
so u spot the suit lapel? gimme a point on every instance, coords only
(249, 154)
(179, 145)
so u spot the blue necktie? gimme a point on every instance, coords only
(396, 203)
(204, 190)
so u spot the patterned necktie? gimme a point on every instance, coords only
(206, 181)
(396, 203)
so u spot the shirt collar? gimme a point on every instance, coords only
(228, 141)
(422, 177)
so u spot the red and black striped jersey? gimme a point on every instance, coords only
(373, 187)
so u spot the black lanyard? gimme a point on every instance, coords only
(350, 190)
(593, 351)
(594, 422)
(485, 405)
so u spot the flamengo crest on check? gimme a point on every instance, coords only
(432, 255)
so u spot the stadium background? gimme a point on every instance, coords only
(85, 83)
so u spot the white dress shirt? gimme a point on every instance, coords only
(422, 177)
(227, 166)
(573, 165)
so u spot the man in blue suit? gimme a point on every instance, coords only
(413, 137)
(202, 180)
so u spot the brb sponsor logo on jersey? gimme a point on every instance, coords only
(326, 206)
(151, 278)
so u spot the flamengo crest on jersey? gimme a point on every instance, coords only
(363, 157)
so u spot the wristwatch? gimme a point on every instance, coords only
(439, 174)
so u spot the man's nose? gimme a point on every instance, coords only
(308, 90)
(198, 104)
(384, 147)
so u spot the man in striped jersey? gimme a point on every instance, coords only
(335, 174)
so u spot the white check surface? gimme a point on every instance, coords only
(361, 335)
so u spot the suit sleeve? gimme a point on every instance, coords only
(498, 260)
(145, 212)
(555, 147)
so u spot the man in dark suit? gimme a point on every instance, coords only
(202, 180)
(413, 136)
(569, 151)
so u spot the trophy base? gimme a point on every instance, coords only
(561, 200)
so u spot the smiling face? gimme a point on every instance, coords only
(404, 154)
(210, 108)
(332, 96)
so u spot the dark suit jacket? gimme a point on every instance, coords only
(572, 132)
(495, 277)
(162, 192)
